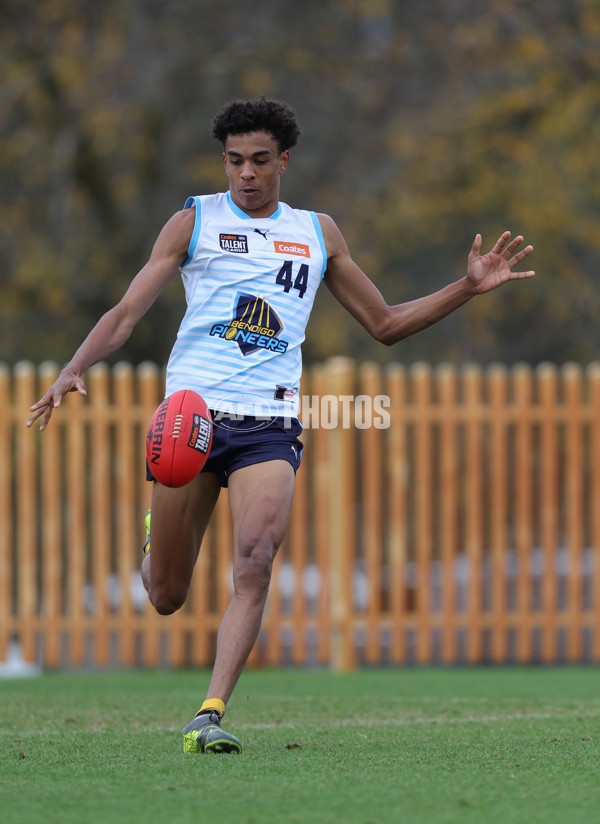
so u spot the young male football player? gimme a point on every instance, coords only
(251, 266)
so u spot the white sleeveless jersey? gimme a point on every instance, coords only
(250, 284)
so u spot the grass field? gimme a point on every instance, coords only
(409, 745)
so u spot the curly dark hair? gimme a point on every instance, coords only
(260, 115)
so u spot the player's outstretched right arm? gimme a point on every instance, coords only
(115, 327)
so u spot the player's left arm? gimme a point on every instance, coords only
(390, 324)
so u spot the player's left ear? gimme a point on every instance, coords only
(284, 159)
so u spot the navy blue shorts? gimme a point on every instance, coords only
(245, 440)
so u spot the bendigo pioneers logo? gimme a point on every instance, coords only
(255, 325)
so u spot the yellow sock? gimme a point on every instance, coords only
(212, 704)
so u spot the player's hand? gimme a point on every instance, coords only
(66, 382)
(486, 272)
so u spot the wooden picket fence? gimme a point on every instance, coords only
(441, 516)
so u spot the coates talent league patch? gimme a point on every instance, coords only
(234, 243)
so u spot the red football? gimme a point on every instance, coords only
(179, 438)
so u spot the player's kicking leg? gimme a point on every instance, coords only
(179, 519)
(177, 522)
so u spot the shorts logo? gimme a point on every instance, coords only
(200, 435)
(283, 393)
(255, 325)
(234, 243)
(292, 249)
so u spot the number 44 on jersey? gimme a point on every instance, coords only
(285, 278)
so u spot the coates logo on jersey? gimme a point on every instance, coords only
(234, 243)
(255, 325)
(286, 248)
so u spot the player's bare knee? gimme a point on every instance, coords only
(252, 572)
(167, 600)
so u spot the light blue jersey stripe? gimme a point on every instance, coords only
(244, 215)
(319, 232)
(197, 225)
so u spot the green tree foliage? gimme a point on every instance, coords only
(423, 123)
